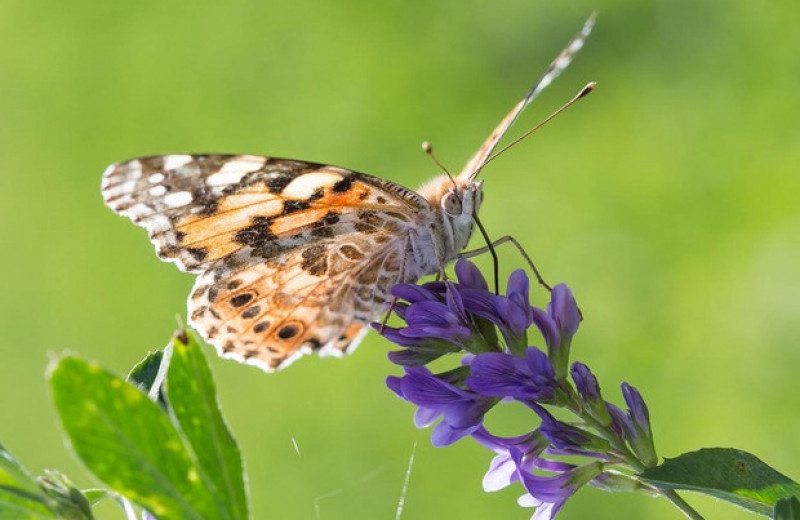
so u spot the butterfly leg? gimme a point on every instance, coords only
(490, 248)
(502, 240)
(387, 315)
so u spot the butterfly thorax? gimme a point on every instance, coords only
(453, 206)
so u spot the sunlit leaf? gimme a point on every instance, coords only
(128, 441)
(729, 474)
(192, 399)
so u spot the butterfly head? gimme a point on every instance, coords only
(455, 201)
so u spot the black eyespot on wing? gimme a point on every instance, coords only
(288, 331)
(261, 327)
(241, 299)
(251, 312)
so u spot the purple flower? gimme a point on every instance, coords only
(561, 435)
(558, 325)
(502, 469)
(512, 313)
(549, 493)
(422, 354)
(621, 422)
(636, 407)
(438, 320)
(434, 325)
(639, 425)
(504, 375)
(565, 312)
(589, 390)
(633, 425)
(469, 276)
(515, 309)
(585, 382)
(446, 317)
(461, 411)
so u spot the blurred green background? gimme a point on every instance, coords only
(668, 200)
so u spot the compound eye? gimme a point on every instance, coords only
(451, 204)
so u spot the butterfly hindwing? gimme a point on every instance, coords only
(313, 298)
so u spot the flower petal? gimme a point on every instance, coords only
(548, 327)
(500, 375)
(444, 434)
(412, 293)
(424, 389)
(424, 417)
(564, 310)
(469, 276)
(502, 473)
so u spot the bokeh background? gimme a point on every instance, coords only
(668, 200)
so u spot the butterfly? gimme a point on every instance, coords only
(295, 257)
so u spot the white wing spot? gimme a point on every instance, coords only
(138, 210)
(223, 178)
(243, 164)
(180, 198)
(156, 178)
(158, 223)
(173, 162)
(134, 169)
(120, 190)
(157, 191)
(305, 185)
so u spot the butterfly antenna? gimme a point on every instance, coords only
(580, 95)
(428, 149)
(557, 66)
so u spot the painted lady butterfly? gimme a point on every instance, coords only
(296, 257)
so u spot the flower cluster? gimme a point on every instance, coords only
(498, 364)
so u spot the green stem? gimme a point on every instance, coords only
(681, 504)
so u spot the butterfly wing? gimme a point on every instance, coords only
(199, 209)
(314, 298)
(561, 62)
(293, 256)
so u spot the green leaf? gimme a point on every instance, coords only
(20, 495)
(145, 373)
(192, 399)
(13, 474)
(729, 474)
(787, 509)
(128, 441)
(149, 376)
